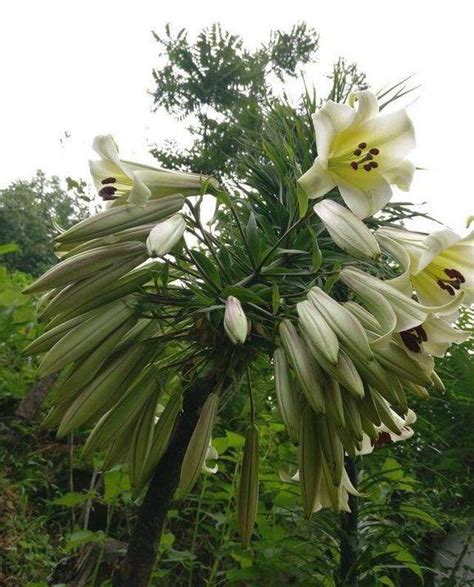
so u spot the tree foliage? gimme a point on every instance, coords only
(29, 211)
(221, 86)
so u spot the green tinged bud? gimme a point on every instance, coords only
(318, 330)
(247, 499)
(303, 366)
(289, 398)
(310, 461)
(198, 445)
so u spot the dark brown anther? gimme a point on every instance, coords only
(362, 145)
(374, 151)
(383, 438)
(374, 164)
(354, 165)
(108, 180)
(421, 332)
(357, 152)
(410, 341)
(446, 286)
(107, 193)
(367, 166)
(455, 274)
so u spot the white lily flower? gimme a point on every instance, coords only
(361, 152)
(235, 321)
(432, 337)
(386, 435)
(114, 177)
(409, 313)
(346, 230)
(438, 265)
(164, 235)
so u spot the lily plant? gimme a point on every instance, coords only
(156, 319)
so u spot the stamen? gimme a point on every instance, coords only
(374, 164)
(107, 193)
(374, 151)
(410, 341)
(108, 180)
(368, 166)
(383, 438)
(455, 274)
(421, 332)
(355, 165)
(362, 145)
(446, 286)
(357, 152)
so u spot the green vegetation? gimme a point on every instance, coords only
(65, 519)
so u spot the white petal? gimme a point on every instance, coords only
(367, 105)
(317, 181)
(139, 194)
(330, 120)
(367, 197)
(435, 244)
(393, 134)
(400, 174)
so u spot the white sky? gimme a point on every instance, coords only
(84, 67)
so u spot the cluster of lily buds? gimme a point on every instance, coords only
(352, 367)
(94, 326)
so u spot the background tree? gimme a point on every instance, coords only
(220, 87)
(29, 211)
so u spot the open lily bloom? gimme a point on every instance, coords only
(136, 183)
(438, 266)
(361, 152)
(385, 435)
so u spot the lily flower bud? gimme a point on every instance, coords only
(247, 500)
(235, 321)
(346, 230)
(303, 366)
(289, 398)
(165, 235)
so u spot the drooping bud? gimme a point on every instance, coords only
(310, 461)
(235, 321)
(165, 235)
(289, 399)
(248, 488)
(198, 446)
(303, 365)
(318, 330)
(346, 230)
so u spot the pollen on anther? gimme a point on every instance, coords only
(368, 166)
(108, 180)
(362, 145)
(354, 166)
(374, 151)
(108, 192)
(357, 152)
(374, 164)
